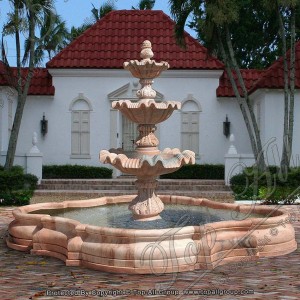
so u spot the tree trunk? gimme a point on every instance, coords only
(22, 93)
(284, 164)
(292, 82)
(11, 150)
(245, 109)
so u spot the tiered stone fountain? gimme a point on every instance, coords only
(148, 162)
(197, 233)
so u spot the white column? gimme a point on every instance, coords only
(232, 161)
(35, 160)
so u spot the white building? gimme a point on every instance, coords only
(75, 92)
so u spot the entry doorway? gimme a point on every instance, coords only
(129, 135)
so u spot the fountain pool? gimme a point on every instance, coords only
(161, 233)
(230, 233)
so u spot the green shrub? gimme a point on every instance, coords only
(278, 194)
(75, 172)
(18, 198)
(271, 185)
(197, 172)
(16, 188)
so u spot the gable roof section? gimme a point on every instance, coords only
(41, 82)
(250, 78)
(273, 77)
(118, 36)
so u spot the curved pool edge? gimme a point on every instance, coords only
(146, 251)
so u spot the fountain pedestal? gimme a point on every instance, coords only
(148, 162)
(147, 205)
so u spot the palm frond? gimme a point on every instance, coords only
(181, 10)
(146, 4)
(106, 8)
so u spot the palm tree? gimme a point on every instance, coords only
(215, 17)
(289, 63)
(145, 4)
(104, 9)
(97, 14)
(53, 33)
(25, 18)
(75, 32)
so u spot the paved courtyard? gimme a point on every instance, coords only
(23, 276)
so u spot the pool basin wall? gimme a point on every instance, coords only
(152, 251)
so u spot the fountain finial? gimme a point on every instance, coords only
(146, 52)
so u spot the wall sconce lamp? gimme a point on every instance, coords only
(44, 125)
(226, 127)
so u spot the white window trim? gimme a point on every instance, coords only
(81, 97)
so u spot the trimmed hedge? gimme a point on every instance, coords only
(271, 185)
(75, 172)
(205, 171)
(16, 188)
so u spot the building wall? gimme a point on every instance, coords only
(96, 85)
(7, 107)
(273, 127)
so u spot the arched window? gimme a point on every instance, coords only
(80, 109)
(190, 110)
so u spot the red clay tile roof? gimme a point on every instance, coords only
(118, 36)
(3, 71)
(41, 82)
(250, 78)
(273, 77)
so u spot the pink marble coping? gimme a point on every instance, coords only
(152, 251)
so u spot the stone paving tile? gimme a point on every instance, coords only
(24, 276)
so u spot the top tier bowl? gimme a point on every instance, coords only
(146, 68)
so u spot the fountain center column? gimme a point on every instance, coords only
(147, 205)
(147, 142)
(146, 93)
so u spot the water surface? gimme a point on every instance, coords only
(174, 215)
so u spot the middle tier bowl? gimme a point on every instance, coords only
(149, 112)
(167, 161)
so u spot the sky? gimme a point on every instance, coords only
(75, 13)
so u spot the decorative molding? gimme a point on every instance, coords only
(118, 93)
(192, 74)
(81, 97)
(88, 73)
(190, 98)
(122, 73)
